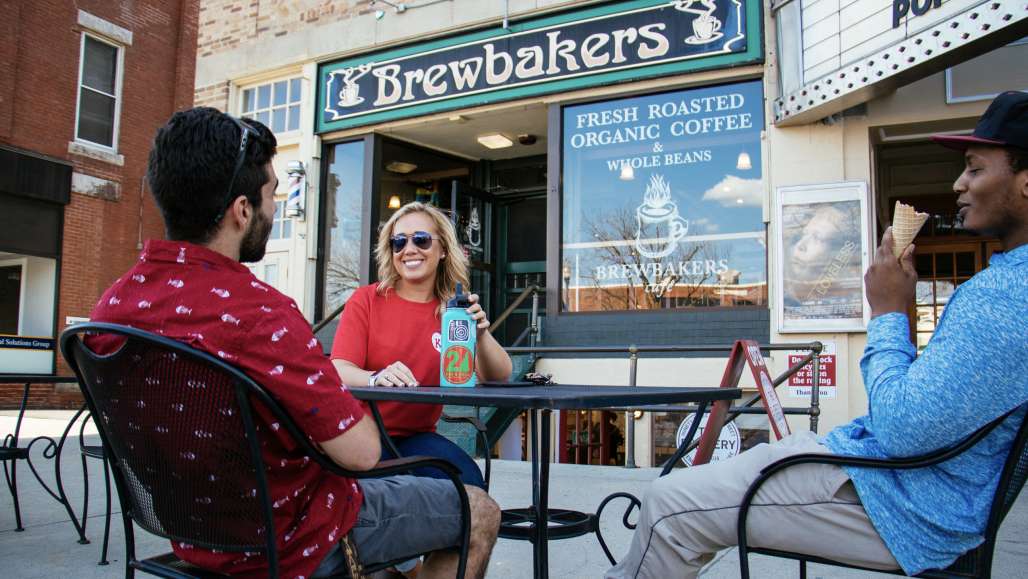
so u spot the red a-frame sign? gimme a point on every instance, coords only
(744, 352)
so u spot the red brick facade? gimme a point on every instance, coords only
(40, 45)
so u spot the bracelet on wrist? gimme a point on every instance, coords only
(373, 378)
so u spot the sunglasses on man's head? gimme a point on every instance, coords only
(246, 132)
(421, 240)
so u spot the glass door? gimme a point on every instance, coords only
(472, 212)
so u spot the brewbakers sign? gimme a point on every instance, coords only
(599, 45)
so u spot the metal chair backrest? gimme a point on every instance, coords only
(180, 429)
(978, 562)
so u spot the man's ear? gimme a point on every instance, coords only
(240, 212)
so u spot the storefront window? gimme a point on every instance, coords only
(27, 299)
(662, 201)
(344, 191)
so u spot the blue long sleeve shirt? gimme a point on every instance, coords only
(974, 369)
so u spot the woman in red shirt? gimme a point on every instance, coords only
(388, 335)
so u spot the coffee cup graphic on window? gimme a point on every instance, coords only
(660, 227)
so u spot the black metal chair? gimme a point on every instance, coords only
(11, 451)
(974, 563)
(136, 395)
(96, 451)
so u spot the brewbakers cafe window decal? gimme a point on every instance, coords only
(662, 201)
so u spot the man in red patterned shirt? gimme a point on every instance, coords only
(212, 178)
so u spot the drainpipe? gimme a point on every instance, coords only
(506, 13)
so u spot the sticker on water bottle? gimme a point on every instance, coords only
(459, 331)
(458, 364)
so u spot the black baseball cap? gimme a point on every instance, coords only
(1004, 124)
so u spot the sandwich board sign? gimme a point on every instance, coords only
(744, 353)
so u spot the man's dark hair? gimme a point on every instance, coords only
(1018, 158)
(191, 165)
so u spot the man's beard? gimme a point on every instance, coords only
(255, 240)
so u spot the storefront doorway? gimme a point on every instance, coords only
(497, 197)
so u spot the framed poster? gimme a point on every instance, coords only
(822, 244)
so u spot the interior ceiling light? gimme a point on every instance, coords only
(744, 163)
(495, 141)
(394, 202)
(400, 167)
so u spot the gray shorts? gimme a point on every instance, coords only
(401, 516)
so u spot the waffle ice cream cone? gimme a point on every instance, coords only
(906, 222)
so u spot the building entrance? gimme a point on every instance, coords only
(921, 174)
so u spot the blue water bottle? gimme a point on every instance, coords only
(457, 366)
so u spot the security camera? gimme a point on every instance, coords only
(527, 139)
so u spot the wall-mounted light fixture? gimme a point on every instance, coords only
(399, 7)
(394, 202)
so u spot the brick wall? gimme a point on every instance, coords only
(39, 66)
(227, 23)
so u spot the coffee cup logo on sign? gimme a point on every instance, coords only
(349, 95)
(705, 27)
(660, 227)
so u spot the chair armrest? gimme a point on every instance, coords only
(398, 466)
(473, 421)
(920, 461)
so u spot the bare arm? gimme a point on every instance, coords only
(491, 359)
(359, 448)
(396, 374)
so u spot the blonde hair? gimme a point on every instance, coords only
(452, 269)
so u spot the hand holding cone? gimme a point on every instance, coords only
(906, 222)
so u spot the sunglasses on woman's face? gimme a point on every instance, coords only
(421, 240)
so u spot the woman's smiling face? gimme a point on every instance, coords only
(413, 264)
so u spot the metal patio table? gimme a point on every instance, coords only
(542, 401)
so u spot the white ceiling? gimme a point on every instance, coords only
(459, 136)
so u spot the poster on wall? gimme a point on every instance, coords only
(662, 201)
(822, 249)
(802, 382)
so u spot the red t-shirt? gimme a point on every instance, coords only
(376, 330)
(192, 294)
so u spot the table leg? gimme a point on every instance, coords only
(542, 518)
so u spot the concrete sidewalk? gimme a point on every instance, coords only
(48, 547)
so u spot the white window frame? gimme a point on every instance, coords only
(281, 218)
(252, 114)
(118, 79)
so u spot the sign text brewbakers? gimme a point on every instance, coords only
(663, 33)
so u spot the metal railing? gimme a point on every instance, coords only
(746, 407)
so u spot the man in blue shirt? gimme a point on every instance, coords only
(974, 370)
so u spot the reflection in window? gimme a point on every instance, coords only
(662, 201)
(343, 193)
